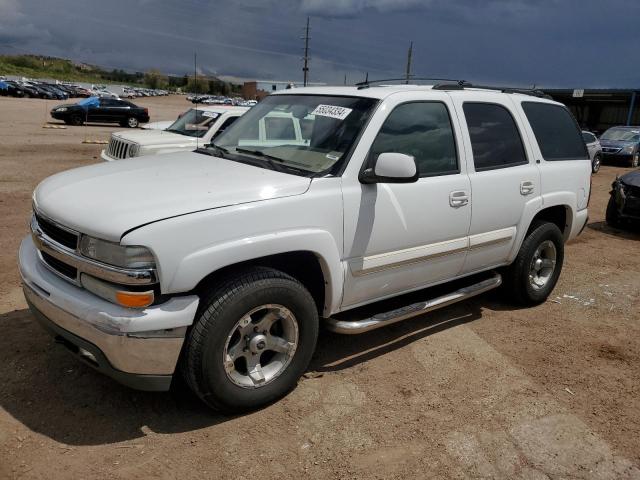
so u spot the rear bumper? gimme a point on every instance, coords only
(137, 347)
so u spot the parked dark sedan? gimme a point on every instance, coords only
(101, 110)
(624, 204)
(621, 144)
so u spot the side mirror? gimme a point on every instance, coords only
(391, 167)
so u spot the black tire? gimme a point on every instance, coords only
(612, 216)
(219, 311)
(597, 161)
(516, 276)
(76, 120)
(132, 122)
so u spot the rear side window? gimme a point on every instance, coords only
(556, 131)
(495, 139)
(588, 138)
(422, 130)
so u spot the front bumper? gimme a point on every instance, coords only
(105, 157)
(137, 347)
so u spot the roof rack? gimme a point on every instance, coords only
(462, 85)
(368, 82)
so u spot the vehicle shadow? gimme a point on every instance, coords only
(56, 395)
(630, 231)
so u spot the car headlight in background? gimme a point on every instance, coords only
(61, 109)
(628, 149)
(116, 254)
(134, 149)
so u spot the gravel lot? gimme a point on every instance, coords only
(476, 390)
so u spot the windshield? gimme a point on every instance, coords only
(621, 135)
(194, 123)
(310, 133)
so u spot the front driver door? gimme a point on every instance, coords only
(401, 237)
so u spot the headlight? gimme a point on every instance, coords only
(116, 254)
(134, 149)
(61, 109)
(628, 149)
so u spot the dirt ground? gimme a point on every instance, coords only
(479, 389)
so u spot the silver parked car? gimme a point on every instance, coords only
(595, 150)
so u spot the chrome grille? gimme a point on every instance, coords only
(119, 149)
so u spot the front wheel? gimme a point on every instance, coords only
(635, 160)
(595, 165)
(132, 122)
(612, 216)
(253, 338)
(535, 271)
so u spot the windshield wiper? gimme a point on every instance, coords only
(212, 146)
(270, 159)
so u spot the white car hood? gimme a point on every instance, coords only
(149, 138)
(108, 199)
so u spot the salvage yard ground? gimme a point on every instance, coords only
(480, 389)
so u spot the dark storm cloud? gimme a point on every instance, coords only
(546, 42)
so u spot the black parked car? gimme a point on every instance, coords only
(624, 204)
(101, 110)
(15, 89)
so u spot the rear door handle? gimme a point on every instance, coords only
(526, 187)
(458, 199)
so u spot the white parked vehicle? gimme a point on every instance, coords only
(220, 264)
(594, 148)
(195, 128)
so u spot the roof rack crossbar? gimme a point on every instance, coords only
(461, 86)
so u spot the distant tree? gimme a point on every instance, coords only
(155, 79)
(199, 86)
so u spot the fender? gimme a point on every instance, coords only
(197, 265)
(532, 208)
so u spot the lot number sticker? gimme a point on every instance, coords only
(210, 114)
(332, 111)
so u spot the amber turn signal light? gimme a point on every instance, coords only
(134, 299)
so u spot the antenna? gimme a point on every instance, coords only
(305, 68)
(408, 72)
(195, 87)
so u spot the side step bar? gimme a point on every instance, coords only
(380, 320)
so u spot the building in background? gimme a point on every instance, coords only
(598, 109)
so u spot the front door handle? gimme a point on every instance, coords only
(526, 187)
(458, 199)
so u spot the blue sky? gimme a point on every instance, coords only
(551, 43)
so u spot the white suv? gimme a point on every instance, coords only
(221, 263)
(196, 127)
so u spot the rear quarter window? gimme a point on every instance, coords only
(556, 131)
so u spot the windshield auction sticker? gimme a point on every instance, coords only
(210, 114)
(332, 111)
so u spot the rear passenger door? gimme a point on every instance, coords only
(505, 181)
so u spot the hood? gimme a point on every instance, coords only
(108, 199)
(158, 125)
(616, 143)
(151, 137)
(631, 178)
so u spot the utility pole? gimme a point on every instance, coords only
(305, 68)
(408, 73)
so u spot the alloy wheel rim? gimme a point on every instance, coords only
(260, 346)
(133, 122)
(543, 264)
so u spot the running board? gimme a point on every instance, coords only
(380, 320)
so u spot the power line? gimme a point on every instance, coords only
(305, 68)
(408, 72)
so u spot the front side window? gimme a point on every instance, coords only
(194, 123)
(307, 133)
(556, 131)
(495, 139)
(422, 130)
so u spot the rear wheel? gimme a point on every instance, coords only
(535, 271)
(252, 339)
(597, 161)
(76, 120)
